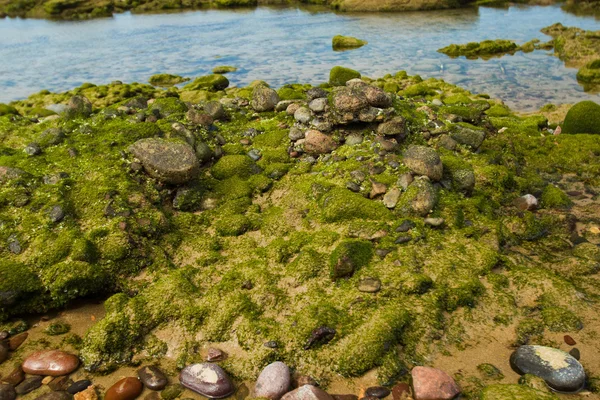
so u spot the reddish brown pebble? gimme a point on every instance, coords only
(15, 377)
(569, 340)
(125, 389)
(47, 380)
(401, 391)
(294, 154)
(50, 362)
(60, 384)
(431, 383)
(16, 341)
(213, 354)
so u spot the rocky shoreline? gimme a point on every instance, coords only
(362, 226)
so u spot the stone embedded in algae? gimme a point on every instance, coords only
(590, 73)
(5, 109)
(583, 117)
(212, 82)
(168, 106)
(485, 49)
(166, 80)
(424, 160)
(339, 205)
(340, 43)
(169, 162)
(349, 256)
(338, 76)
(264, 99)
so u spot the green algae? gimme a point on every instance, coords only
(338, 76)
(486, 49)
(223, 69)
(208, 82)
(341, 43)
(166, 80)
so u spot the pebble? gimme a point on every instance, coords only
(377, 391)
(318, 105)
(406, 226)
(29, 385)
(55, 396)
(271, 344)
(255, 154)
(207, 379)
(401, 391)
(527, 202)
(318, 143)
(432, 383)
(60, 384)
(16, 341)
(305, 380)
(33, 149)
(405, 180)
(369, 285)
(274, 381)
(307, 392)
(50, 362)
(354, 139)
(15, 377)
(435, 222)
(377, 189)
(7, 392)
(424, 160)
(574, 352)
(353, 187)
(560, 370)
(321, 335)
(56, 214)
(3, 353)
(126, 389)
(403, 239)
(88, 394)
(569, 340)
(302, 115)
(79, 386)
(390, 199)
(152, 377)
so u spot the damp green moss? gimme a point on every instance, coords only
(583, 117)
(5, 109)
(232, 225)
(168, 106)
(57, 328)
(233, 165)
(553, 197)
(338, 76)
(340, 205)
(349, 256)
(223, 69)
(71, 279)
(559, 319)
(418, 89)
(514, 392)
(485, 49)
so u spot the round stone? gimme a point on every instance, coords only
(79, 386)
(174, 163)
(307, 392)
(152, 377)
(29, 385)
(50, 362)
(370, 285)
(207, 379)
(126, 389)
(423, 160)
(274, 381)
(377, 391)
(7, 392)
(431, 383)
(561, 371)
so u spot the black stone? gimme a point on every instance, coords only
(319, 336)
(29, 385)
(575, 353)
(79, 386)
(403, 239)
(406, 226)
(152, 377)
(56, 214)
(377, 391)
(7, 392)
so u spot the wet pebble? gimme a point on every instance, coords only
(403, 239)
(307, 392)
(152, 377)
(7, 392)
(126, 389)
(29, 385)
(15, 377)
(370, 285)
(575, 353)
(56, 396)
(271, 344)
(207, 379)
(569, 340)
(60, 383)
(3, 352)
(527, 202)
(274, 381)
(406, 226)
(16, 341)
(171, 392)
(88, 394)
(434, 222)
(214, 354)
(321, 335)
(560, 370)
(400, 391)
(50, 362)
(305, 380)
(432, 383)
(79, 386)
(377, 391)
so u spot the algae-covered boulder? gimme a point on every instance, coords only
(514, 392)
(168, 106)
(166, 80)
(424, 160)
(339, 205)
(420, 198)
(590, 73)
(212, 82)
(348, 256)
(468, 135)
(340, 43)
(234, 165)
(485, 49)
(223, 69)
(78, 106)
(5, 109)
(338, 76)
(16, 281)
(583, 117)
(264, 99)
(169, 162)
(9, 173)
(71, 279)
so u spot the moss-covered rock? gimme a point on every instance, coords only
(338, 76)
(583, 117)
(167, 106)
(485, 49)
(553, 197)
(234, 165)
(514, 392)
(590, 73)
(166, 80)
(208, 82)
(339, 205)
(558, 319)
(5, 109)
(223, 69)
(349, 256)
(340, 43)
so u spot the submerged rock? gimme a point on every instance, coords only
(207, 380)
(340, 43)
(169, 162)
(560, 370)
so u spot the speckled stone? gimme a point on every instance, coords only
(50, 362)
(152, 377)
(274, 381)
(126, 389)
(307, 392)
(560, 370)
(207, 379)
(15, 377)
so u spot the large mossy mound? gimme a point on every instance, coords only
(341, 43)
(485, 49)
(266, 244)
(583, 117)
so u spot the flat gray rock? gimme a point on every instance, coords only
(561, 371)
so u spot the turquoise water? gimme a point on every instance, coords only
(285, 45)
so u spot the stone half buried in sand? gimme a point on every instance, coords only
(207, 379)
(561, 371)
(169, 162)
(51, 362)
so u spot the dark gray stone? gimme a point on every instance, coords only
(29, 385)
(56, 214)
(79, 386)
(7, 392)
(561, 371)
(152, 377)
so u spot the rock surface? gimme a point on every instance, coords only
(560, 370)
(152, 377)
(424, 160)
(433, 384)
(169, 162)
(264, 99)
(207, 379)
(274, 381)
(126, 389)
(50, 362)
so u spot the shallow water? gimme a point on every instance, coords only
(285, 45)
